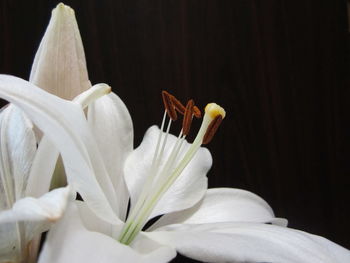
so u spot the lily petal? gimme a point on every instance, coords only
(95, 224)
(150, 248)
(69, 234)
(340, 253)
(186, 191)
(49, 207)
(112, 127)
(18, 147)
(249, 242)
(59, 66)
(10, 243)
(47, 155)
(91, 222)
(28, 218)
(65, 124)
(43, 168)
(223, 205)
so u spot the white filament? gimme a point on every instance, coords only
(155, 189)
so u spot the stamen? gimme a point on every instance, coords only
(212, 128)
(154, 167)
(158, 142)
(178, 105)
(197, 112)
(160, 180)
(187, 120)
(163, 146)
(169, 106)
(172, 157)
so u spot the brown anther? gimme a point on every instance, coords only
(212, 128)
(187, 120)
(197, 112)
(178, 105)
(169, 105)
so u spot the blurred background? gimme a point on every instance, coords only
(279, 68)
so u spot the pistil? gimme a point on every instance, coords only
(187, 120)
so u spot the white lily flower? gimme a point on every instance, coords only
(216, 225)
(166, 176)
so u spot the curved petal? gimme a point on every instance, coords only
(187, 190)
(27, 219)
(10, 243)
(95, 224)
(142, 243)
(65, 124)
(17, 151)
(223, 205)
(249, 242)
(43, 168)
(46, 164)
(147, 246)
(70, 241)
(59, 66)
(111, 125)
(340, 253)
(91, 222)
(48, 208)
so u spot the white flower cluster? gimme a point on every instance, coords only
(59, 132)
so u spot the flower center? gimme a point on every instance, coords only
(160, 178)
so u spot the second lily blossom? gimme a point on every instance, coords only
(26, 207)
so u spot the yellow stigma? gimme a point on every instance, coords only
(213, 110)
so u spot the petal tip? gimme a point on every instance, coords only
(62, 9)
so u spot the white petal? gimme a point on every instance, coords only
(187, 190)
(17, 151)
(48, 167)
(10, 243)
(48, 208)
(249, 242)
(46, 158)
(222, 205)
(340, 253)
(43, 168)
(59, 66)
(112, 127)
(93, 223)
(65, 124)
(150, 248)
(28, 218)
(70, 241)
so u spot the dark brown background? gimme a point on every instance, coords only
(280, 68)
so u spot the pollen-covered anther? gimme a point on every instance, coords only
(178, 105)
(216, 114)
(211, 130)
(169, 105)
(187, 120)
(197, 112)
